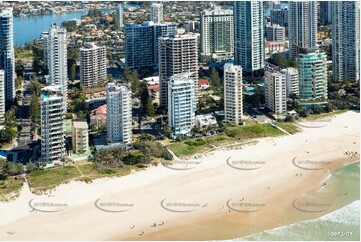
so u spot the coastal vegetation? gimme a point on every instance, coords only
(10, 185)
(233, 134)
(290, 127)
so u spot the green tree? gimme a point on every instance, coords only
(127, 75)
(73, 71)
(215, 79)
(149, 109)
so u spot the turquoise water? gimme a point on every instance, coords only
(345, 180)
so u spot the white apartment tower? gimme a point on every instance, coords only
(2, 96)
(346, 40)
(57, 57)
(177, 54)
(156, 12)
(93, 66)
(233, 93)
(52, 124)
(249, 42)
(275, 91)
(292, 82)
(181, 103)
(7, 56)
(119, 114)
(119, 12)
(302, 26)
(217, 34)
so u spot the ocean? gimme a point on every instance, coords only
(342, 224)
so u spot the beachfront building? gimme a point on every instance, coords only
(52, 124)
(275, 33)
(7, 56)
(249, 36)
(119, 114)
(206, 120)
(233, 93)
(177, 54)
(156, 12)
(312, 72)
(280, 17)
(292, 82)
(2, 96)
(302, 26)
(93, 64)
(79, 135)
(346, 40)
(217, 34)
(181, 103)
(119, 12)
(141, 43)
(57, 57)
(275, 91)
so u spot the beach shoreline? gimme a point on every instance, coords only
(233, 193)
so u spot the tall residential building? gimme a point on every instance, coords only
(275, 91)
(93, 64)
(280, 17)
(217, 34)
(302, 26)
(292, 82)
(325, 12)
(44, 37)
(177, 54)
(346, 41)
(141, 43)
(181, 103)
(156, 12)
(79, 136)
(249, 36)
(52, 124)
(7, 57)
(2, 96)
(275, 33)
(312, 72)
(57, 57)
(119, 114)
(233, 93)
(119, 16)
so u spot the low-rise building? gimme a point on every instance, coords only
(203, 84)
(80, 137)
(205, 120)
(98, 116)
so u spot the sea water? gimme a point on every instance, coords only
(342, 224)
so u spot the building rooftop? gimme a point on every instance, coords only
(80, 124)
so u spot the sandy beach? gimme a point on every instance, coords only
(224, 195)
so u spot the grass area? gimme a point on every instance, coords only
(24, 55)
(52, 177)
(289, 127)
(324, 115)
(91, 172)
(252, 130)
(183, 149)
(10, 188)
(232, 137)
(42, 180)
